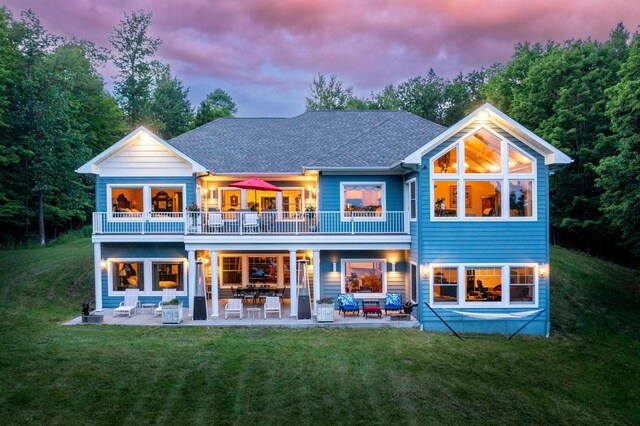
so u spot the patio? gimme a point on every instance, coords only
(146, 318)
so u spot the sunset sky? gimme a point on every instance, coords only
(266, 53)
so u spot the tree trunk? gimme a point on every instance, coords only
(41, 218)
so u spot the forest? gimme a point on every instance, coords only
(56, 113)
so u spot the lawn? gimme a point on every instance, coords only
(587, 372)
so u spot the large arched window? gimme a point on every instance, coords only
(482, 177)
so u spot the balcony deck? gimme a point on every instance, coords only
(250, 223)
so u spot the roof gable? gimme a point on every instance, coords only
(141, 153)
(486, 113)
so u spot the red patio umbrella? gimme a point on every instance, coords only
(257, 185)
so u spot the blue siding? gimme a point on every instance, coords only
(483, 242)
(138, 250)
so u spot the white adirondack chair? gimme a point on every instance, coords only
(129, 304)
(167, 295)
(214, 220)
(272, 304)
(233, 306)
(251, 221)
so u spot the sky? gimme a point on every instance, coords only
(265, 53)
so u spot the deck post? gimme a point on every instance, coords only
(97, 256)
(293, 274)
(214, 284)
(316, 277)
(191, 257)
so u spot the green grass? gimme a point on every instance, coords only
(587, 372)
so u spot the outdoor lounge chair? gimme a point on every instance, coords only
(251, 221)
(214, 221)
(393, 302)
(129, 304)
(167, 295)
(272, 304)
(348, 303)
(233, 306)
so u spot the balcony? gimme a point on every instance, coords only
(251, 223)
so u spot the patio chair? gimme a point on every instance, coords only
(348, 303)
(272, 304)
(233, 306)
(214, 221)
(251, 221)
(167, 295)
(393, 302)
(129, 304)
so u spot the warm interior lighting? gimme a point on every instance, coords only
(103, 264)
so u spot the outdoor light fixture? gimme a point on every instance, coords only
(103, 264)
(335, 267)
(393, 266)
(543, 269)
(483, 115)
(424, 271)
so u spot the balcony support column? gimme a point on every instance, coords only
(293, 275)
(316, 277)
(97, 256)
(214, 284)
(191, 257)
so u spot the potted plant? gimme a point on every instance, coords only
(90, 317)
(407, 309)
(193, 212)
(325, 310)
(172, 311)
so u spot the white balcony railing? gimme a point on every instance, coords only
(241, 223)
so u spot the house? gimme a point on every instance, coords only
(367, 202)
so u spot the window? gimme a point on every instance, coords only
(168, 275)
(362, 200)
(127, 200)
(291, 203)
(491, 166)
(413, 282)
(263, 270)
(521, 284)
(166, 200)
(412, 199)
(158, 202)
(229, 200)
(445, 285)
(127, 274)
(364, 276)
(484, 285)
(231, 270)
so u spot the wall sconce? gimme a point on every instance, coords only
(424, 271)
(393, 266)
(335, 267)
(543, 270)
(484, 115)
(103, 264)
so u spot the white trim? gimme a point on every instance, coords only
(383, 202)
(92, 166)
(461, 176)
(552, 154)
(503, 303)
(407, 207)
(147, 274)
(343, 269)
(413, 297)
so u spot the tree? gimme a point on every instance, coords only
(619, 174)
(134, 46)
(169, 107)
(217, 104)
(328, 95)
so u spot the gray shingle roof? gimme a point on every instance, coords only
(317, 139)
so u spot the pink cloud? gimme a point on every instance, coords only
(248, 45)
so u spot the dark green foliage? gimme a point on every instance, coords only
(217, 104)
(328, 94)
(134, 48)
(620, 173)
(169, 108)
